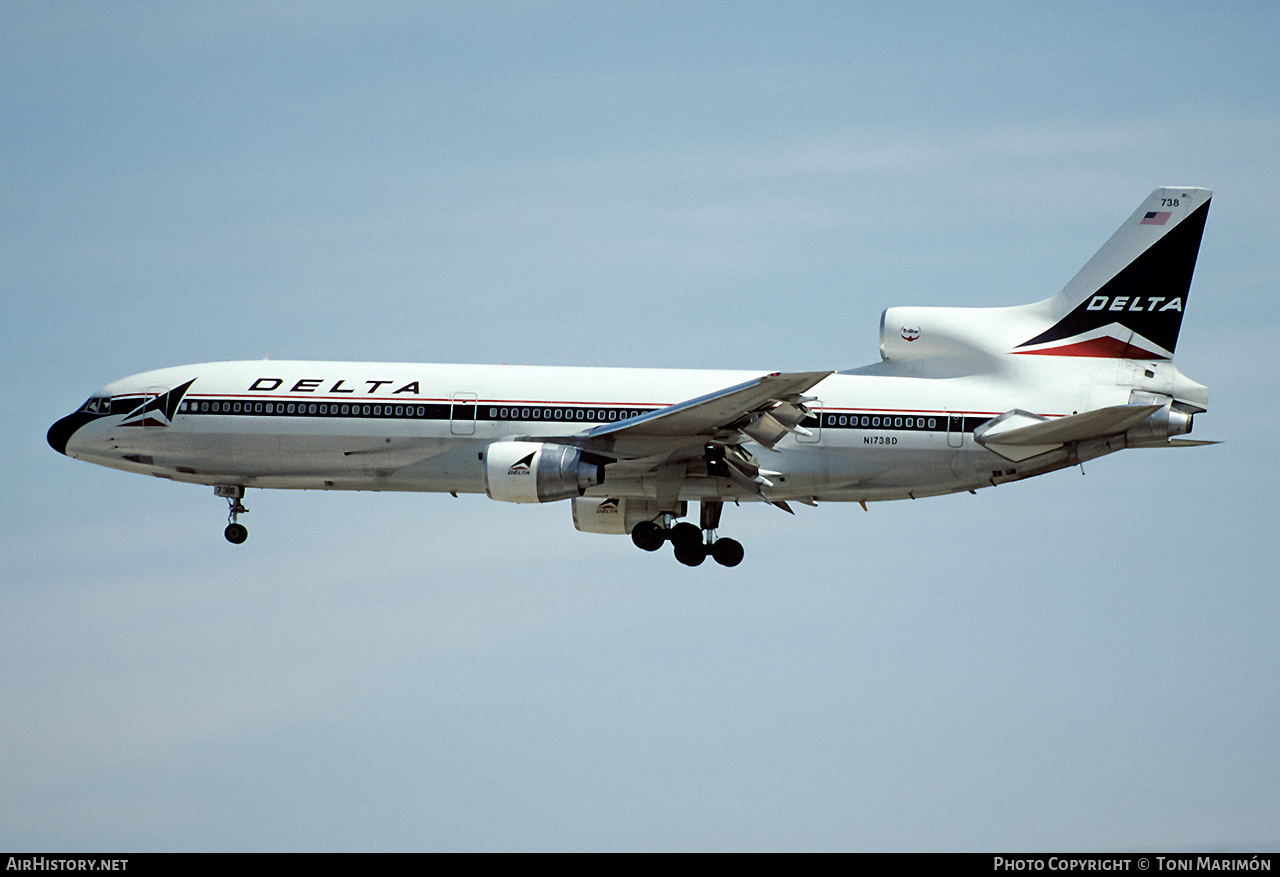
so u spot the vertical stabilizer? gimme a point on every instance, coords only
(1128, 301)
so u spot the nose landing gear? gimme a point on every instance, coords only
(235, 532)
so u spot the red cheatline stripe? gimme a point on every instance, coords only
(1106, 348)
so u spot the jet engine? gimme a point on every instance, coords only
(615, 516)
(538, 472)
(939, 336)
(1173, 419)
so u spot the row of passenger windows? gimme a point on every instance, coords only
(874, 421)
(596, 414)
(436, 411)
(304, 408)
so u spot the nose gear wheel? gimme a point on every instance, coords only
(235, 532)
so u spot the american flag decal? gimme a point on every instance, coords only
(1155, 217)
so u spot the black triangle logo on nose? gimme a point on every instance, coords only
(165, 403)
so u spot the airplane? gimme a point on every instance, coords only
(962, 398)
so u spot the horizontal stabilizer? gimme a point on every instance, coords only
(1018, 435)
(1092, 424)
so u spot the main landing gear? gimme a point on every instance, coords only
(236, 533)
(687, 540)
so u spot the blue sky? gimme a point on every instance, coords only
(1067, 663)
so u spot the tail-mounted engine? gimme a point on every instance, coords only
(1174, 419)
(539, 472)
(941, 341)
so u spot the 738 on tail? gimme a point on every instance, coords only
(962, 398)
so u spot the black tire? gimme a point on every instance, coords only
(648, 536)
(236, 533)
(685, 534)
(727, 552)
(691, 555)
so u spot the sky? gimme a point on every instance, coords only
(1075, 662)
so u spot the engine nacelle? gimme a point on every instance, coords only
(538, 472)
(913, 334)
(1156, 430)
(613, 516)
(953, 341)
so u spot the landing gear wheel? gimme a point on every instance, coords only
(233, 493)
(648, 536)
(727, 552)
(685, 534)
(691, 555)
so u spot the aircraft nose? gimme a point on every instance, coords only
(60, 433)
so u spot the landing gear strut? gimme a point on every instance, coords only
(691, 544)
(235, 532)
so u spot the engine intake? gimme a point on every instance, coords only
(538, 472)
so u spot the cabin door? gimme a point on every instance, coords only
(462, 414)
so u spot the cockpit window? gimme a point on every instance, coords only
(98, 405)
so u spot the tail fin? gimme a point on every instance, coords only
(1127, 302)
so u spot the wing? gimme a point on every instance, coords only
(746, 409)
(708, 430)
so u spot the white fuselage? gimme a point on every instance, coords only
(401, 426)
